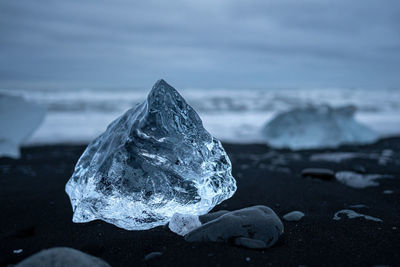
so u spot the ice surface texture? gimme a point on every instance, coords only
(19, 118)
(153, 161)
(351, 214)
(317, 126)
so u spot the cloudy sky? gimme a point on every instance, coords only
(207, 43)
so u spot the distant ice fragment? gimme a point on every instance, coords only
(357, 180)
(182, 224)
(385, 157)
(153, 161)
(19, 118)
(316, 126)
(293, 216)
(337, 157)
(387, 152)
(351, 214)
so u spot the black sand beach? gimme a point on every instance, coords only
(36, 212)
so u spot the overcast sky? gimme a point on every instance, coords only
(203, 43)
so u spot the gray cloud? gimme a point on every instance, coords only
(207, 43)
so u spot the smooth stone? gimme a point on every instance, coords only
(250, 243)
(62, 257)
(293, 216)
(319, 173)
(212, 216)
(257, 223)
(152, 255)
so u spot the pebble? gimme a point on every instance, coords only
(211, 216)
(152, 255)
(323, 174)
(293, 216)
(62, 257)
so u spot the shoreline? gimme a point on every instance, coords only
(228, 143)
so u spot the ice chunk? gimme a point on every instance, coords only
(293, 216)
(153, 161)
(182, 224)
(337, 157)
(19, 118)
(316, 126)
(351, 214)
(357, 180)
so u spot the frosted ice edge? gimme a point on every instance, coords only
(153, 161)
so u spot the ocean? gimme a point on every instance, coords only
(234, 116)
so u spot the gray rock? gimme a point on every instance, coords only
(254, 227)
(152, 255)
(323, 174)
(293, 216)
(62, 257)
(212, 216)
(250, 243)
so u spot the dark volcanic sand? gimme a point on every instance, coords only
(36, 212)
